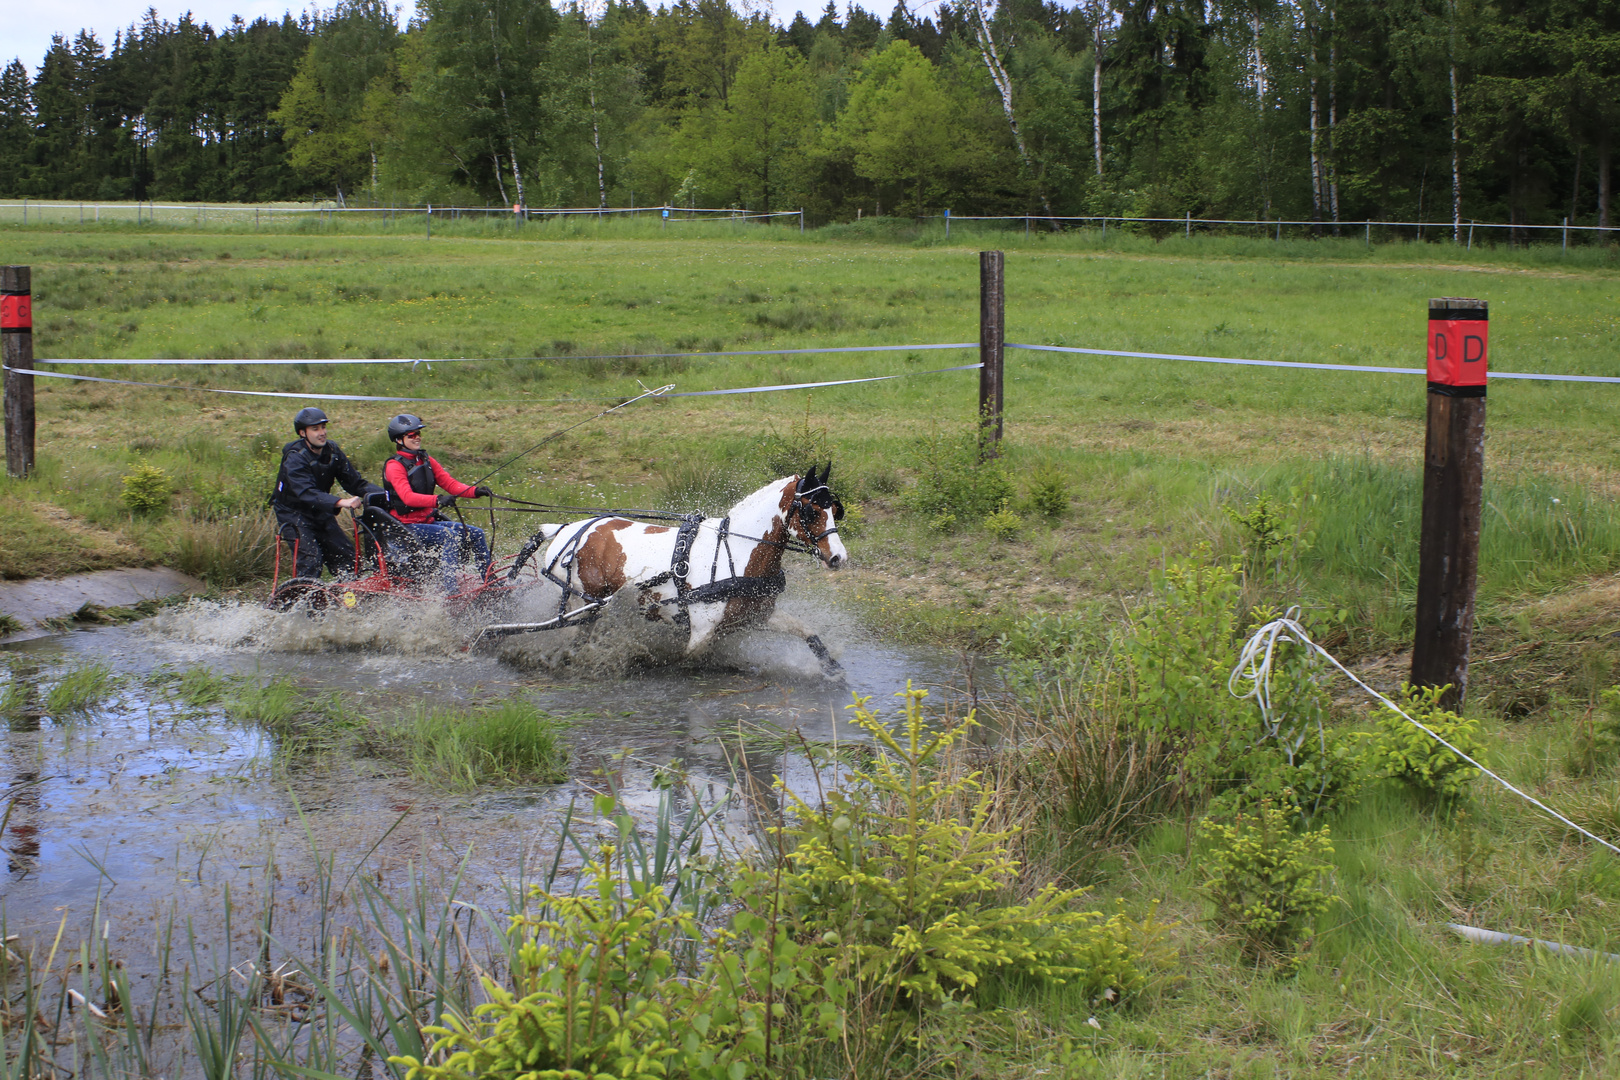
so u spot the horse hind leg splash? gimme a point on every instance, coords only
(830, 667)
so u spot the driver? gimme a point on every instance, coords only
(306, 510)
(411, 477)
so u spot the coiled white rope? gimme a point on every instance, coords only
(1254, 668)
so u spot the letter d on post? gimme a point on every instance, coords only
(1453, 493)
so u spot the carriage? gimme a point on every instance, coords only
(707, 576)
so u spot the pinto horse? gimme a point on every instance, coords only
(711, 576)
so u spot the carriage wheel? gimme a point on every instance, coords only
(291, 593)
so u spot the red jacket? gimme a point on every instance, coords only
(422, 506)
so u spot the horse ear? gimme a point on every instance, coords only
(808, 481)
(827, 472)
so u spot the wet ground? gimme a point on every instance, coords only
(145, 808)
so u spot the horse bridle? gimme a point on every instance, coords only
(803, 508)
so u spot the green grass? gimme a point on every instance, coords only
(1150, 449)
(80, 691)
(466, 749)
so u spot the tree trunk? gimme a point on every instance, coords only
(1575, 189)
(998, 75)
(1456, 139)
(500, 181)
(1603, 179)
(1316, 159)
(1333, 114)
(1259, 63)
(1096, 93)
(596, 120)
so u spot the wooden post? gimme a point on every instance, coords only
(992, 332)
(17, 351)
(1453, 491)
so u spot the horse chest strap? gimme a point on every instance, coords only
(680, 562)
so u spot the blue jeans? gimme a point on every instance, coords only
(447, 537)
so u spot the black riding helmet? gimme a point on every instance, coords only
(307, 417)
(403, 424)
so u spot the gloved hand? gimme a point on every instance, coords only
(445, 500)
(482, 491)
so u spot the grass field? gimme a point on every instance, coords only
(1152, 454)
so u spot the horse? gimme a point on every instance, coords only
(710, 576)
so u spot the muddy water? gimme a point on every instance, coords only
(145, 808)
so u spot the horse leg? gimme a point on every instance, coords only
(787, 624)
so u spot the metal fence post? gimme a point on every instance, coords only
(1453, 486)
(17, 351)
(992, 333)
(1566, 234)
(1189, 225)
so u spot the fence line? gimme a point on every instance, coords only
(691, 213)
(1126, 354)
(314, 396)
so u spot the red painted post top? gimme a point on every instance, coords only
(16, 312)
(1458, 339)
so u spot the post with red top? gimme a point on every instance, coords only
(1453, 493)
(992, 332)
(17, 351)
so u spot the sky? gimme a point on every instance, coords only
(28, 29)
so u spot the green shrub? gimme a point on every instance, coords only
(146, 490)
(1003, 524)
(1596, 743)
(896, 885)
(951, 479)
(80, 690)
(1400, 750)
(597, 994)
(1266, 882)
(943, 522)
(1274, 534)
(1049, 492)
(1176, 660)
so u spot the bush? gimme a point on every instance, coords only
(1597, 737)
(1406, 753)
(1049, 492)
(146, 490)
(952, 480)
(1266, 882)
(895, 884)
(597, 994)
(1003, 524)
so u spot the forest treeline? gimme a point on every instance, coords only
(1315, 109)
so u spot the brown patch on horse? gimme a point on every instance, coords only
(764, 561)
(600, 560)
(649, 530)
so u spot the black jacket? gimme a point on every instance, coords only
(304, 484)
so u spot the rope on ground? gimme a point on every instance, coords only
(1254, 667)
(1528, 376)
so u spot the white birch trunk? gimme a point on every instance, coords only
(998, 75)
(1096, 93)
(1333, 115)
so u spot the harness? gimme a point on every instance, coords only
(560, 569)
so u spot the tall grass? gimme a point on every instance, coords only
(227, 551)
(513, 742)
(80, 690)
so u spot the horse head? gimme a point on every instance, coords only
(812, 515)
